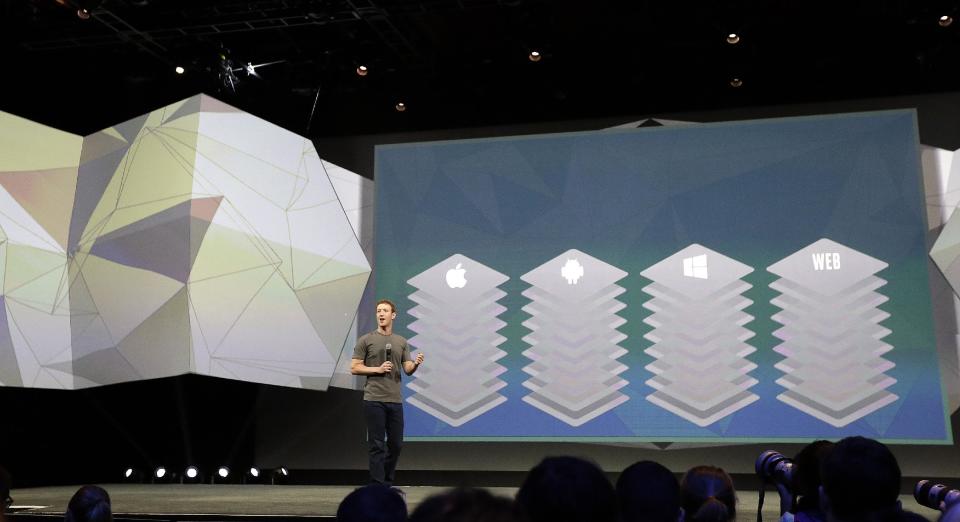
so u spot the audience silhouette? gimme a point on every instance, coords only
(855, 480)
(89, 504)
(567, 489)
(372, 503)
(861, 483)
(467, 505)
(707, 495)
(804, 493)
(648, 492)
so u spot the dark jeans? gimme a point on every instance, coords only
(385, 436)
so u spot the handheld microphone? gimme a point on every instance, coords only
(389, 349)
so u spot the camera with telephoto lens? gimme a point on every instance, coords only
(773, 466)
(935, 495)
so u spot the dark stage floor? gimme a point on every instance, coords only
(210, 502)
(231, 502)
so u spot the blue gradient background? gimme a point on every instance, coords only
(755, 191)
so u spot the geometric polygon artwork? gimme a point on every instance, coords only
(946, 250)
(456, 321)
(193, 239)
(831, 333)
(574, 341)
(356, 196)
(941, 181)
(701, 371)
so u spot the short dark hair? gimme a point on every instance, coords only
(372, 503)
(647, 491)
(567, 489)
(466, 505)
(861, 479)
(806, 473)
(393, 307)
(707, 495)
(89, 504)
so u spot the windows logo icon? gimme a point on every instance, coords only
(695, 267)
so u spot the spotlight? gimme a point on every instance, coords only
(161, 475)
(252, 476)
(945, 21)
(400, 106)
(222, 475)
(733, 38)
(736, 83)
(191, 475)
(180, 70)
(534, 56)
(362, 70)
(83, 14)
(279, 475)
(132, 475)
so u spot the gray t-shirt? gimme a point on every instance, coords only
(372, 350)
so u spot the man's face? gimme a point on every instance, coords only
(385, 315)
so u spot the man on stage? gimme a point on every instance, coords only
(376, 355)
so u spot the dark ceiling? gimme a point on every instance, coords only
(462, 63)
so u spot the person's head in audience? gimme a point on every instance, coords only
(567, 489)
(806, 477)
(6, 484)
(372, 503)
(707, 495)
(89, 504)
(861, 482)
(648, 492)
(467, 505)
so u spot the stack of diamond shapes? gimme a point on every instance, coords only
(456, 324)
(831, 333)
(701, 370)
(574, 343)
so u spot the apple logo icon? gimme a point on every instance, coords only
(455, 276)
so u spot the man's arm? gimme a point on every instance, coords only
(358, 368)
(411, 366)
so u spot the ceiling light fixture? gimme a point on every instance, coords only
(534, 56)
(736, 83)
(733, 38)
(400, 106)
(945, 21)
(179, 70)
(362, 70)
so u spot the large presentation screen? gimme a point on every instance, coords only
(760, 280)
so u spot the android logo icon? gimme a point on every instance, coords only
(572, 271)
